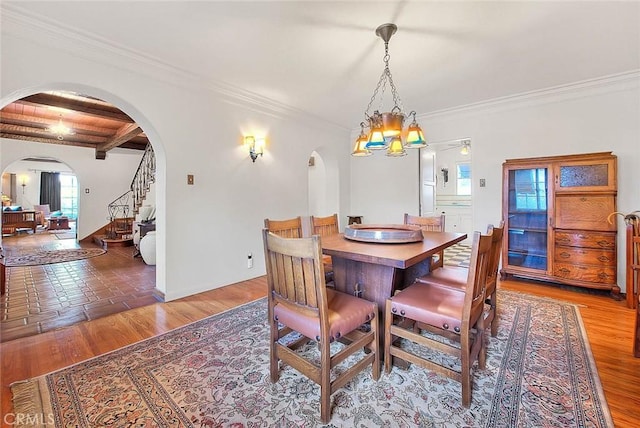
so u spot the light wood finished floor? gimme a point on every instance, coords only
(609, 325)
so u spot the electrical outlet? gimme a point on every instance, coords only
(249, 261)
(483, 182)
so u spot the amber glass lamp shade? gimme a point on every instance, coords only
(360, 148)
(376, 139)
(396, 149)
(415, 137)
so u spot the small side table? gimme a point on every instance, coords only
(355, 219)
(56, 223)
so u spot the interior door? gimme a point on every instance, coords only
(428, 180)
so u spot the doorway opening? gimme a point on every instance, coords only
(446, 184)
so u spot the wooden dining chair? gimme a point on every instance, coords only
(298, 301)
(456, 277)
(325, 226)
(432, 224)
(289, 228)
(444, 312)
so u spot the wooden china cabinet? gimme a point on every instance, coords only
(555, 210)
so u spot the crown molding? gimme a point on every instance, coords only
(46, 32)
(604, 84)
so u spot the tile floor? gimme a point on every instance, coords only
(46, 297)
(457, 255)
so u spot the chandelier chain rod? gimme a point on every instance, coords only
(382, 83)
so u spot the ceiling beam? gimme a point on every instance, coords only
(86, 107)
(35, 122)
(26, 131)
(123, 135)
(47, 140)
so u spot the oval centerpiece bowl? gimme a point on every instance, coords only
(384, 233)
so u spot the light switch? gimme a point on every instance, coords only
(483, 182)
(190, 179)
(86, 190)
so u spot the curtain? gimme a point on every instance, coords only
(50, 190)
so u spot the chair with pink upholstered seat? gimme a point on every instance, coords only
(431, 224)
(289, 228)
(456, 277)
(325, 226)
(299, 301)
(441, 311)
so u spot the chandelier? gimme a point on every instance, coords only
(60, 130)
(385, 130)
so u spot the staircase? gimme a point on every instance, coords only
(122, 211)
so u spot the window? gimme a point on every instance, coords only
(69, 196)
(463, 179)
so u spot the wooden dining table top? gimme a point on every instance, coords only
(398, 255)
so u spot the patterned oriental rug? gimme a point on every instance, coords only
(45, 257)
(215, 373)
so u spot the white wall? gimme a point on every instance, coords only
(204, 231)
(585, 117)
(384, 188)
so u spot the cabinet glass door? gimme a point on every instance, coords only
(527, 218)
(589, 175)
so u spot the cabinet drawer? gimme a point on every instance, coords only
(585, 256)
(602, 275)
(586, 239)
(586, 212)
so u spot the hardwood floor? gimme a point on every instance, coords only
(609, 325)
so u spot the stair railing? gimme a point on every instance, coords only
(120, 220)
(126, 206)
(145, 175)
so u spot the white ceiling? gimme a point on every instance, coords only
(324, 57)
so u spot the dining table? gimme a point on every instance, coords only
(375, 270)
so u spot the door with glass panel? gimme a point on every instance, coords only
(526, 213)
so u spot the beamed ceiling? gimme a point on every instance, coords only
(94, 123)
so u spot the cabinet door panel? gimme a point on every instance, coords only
(589, 175)
(584, 212)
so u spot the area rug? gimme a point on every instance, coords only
(45, 257)
(215, 373)
(64, 234)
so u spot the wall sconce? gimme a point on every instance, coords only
(445, 174)
(23, 182)
(255, 146)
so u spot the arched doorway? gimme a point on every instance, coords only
(92, 188)
(323, 189)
